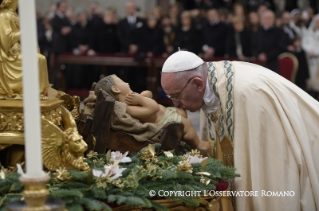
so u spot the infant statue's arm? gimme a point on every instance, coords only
(140, 107)
(147, 93)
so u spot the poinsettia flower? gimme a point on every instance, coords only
(112, 171)
(196, 159)
(118, 156)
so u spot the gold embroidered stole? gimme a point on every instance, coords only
(220, 123)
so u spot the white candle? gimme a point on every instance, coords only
(32, 121)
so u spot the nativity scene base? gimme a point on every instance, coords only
(107, 178)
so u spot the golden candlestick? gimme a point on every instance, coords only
(35, 192)
(35, 196)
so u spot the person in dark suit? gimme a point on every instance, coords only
(61, 29)
(289, 33)
(80, 40)
(268, 42)
(303, 68)
(127, 26)
(187, 35)
(104, 39)
(94, 13)
(239, 42)
(169, 35)
(149, 38)
(214, 35)
(81, 32)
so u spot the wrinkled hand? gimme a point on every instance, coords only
(132, 99)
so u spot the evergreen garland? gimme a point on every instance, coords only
(146, 172)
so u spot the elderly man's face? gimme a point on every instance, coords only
(191, 97)
(268, 19)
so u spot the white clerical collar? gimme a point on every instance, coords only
(60, 14)
(214, 23)
(210, 99)
(131, 19)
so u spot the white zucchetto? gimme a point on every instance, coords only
(181, 61)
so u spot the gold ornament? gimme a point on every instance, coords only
(11, 58)
(195, 152)
(185, 157)
(61, 176)
(205, 180)
(185, 166)
(213, 205)
(91, 154)
(168, 154)
(148, 155)
(101, 184)
(63, 148)
(3, 172)
(118, 183)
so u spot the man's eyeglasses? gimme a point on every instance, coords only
(176, 98)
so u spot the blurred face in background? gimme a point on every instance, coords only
(239, 10)
(174, 9)
(70, 13)
(254, 18)
(268, 19)
(297, 17)
(166, 21)
(63, 7)
(94, 8)
(151, 22)
(286, 18)
(186, 19)
(157, 12)
(108, 17)
(262, 9)
(81, 17)
(238, 25)
(212, 15)
(130, 8)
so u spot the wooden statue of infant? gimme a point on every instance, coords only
(145, 109)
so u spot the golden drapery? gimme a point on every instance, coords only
(11, 58)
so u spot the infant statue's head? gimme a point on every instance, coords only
(114, 86)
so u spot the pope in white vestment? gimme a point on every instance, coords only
(261, 123)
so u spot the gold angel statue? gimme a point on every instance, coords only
(63, 148)
(10, 54)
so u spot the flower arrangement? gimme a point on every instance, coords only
(117, 179)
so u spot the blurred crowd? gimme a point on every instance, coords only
(205, 27)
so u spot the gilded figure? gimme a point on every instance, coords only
(10, 55)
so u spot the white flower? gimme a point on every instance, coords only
(118, 156)
(20, 171)
(112, 171)
(196, 159)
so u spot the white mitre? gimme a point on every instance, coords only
(181, 61)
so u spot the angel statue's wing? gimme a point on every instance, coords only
(52, 141)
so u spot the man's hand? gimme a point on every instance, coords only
(65, 30)
(91, 52)
(262, 57)
(83, 48)
(209, 52)
(133, 49)
(133, 99)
